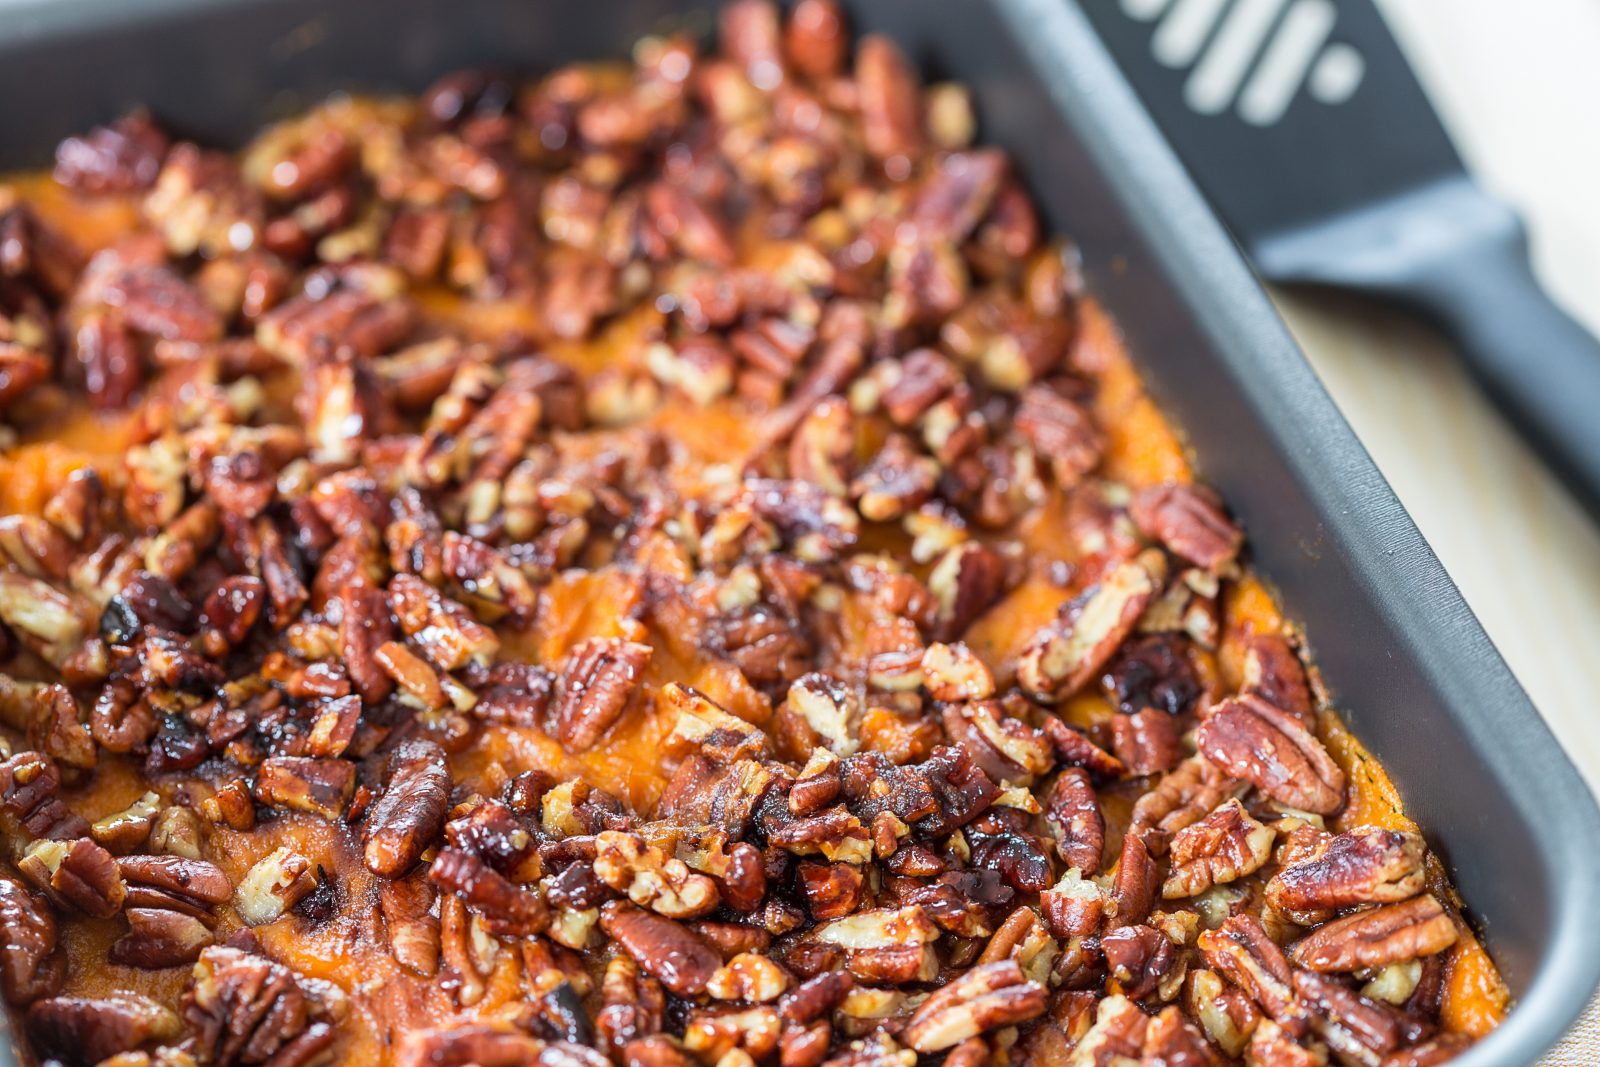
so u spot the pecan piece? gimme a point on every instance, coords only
(506, 906)
(1134, 887)
(1061, 431)
(1180, 799)
(1271, 670)
(832, 890)
(406, 819)
(896, 480)
(1074, 816)
(1368, 865)
(1357, 1029)
(682, 961)
(751, 977)
(1146, 742)
(1066, 653)
(1153, 672)
(598, 679)
(1074, 906)
(1272, 1046)
(1139, 958)
(954, 672)
(79, 873)
(413, 931)
(1189, 521)
(364, 627)
(651, 878)
(319, 786)
(1222, 847)
(982, 999)
(85, 1030)
(891, 105)
(158, 937)
(124, 157)
(1248, 738)
(1379, 936)
(277, 882)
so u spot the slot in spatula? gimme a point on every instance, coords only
(1304, 125)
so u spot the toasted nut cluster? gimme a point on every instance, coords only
(655, 564)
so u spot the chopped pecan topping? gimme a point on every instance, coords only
(1266, 746)
(1379, 936)
(662, 564)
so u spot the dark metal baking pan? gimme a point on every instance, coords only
(1407, 662)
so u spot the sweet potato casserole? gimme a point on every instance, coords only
(662, 565)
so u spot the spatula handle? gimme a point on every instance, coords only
(1461, 257)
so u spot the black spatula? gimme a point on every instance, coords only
(1302, 122)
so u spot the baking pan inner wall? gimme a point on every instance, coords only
(216, 70)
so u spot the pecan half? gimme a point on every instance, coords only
(1378, 937)
(1368, 865)
(683, 962)
(1074, 816)
(598, 679)
(1241, 951)
(891, 120)
(1134, 888)
(79, 873)
(89, 1030)
(30, 966)
(407, 818)
(1067, 653)
(1222, 847)
(1146, 742)
(159, 937)
(1266, 746)
(1189, 520)
(246, 1009)
(984, 998)
(1355, 1028)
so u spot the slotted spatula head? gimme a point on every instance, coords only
(1288, 113)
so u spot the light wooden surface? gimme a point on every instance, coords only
(1516, 83)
